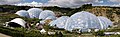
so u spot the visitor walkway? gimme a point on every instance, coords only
(3, 35)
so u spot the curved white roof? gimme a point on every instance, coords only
(60, 22)
(82, 20)
(19, 21)
(104, 22)
(23, 13)
(46, 13)
(34, 12)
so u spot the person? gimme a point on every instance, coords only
(39, 26)
(60, 34)
(28, 25)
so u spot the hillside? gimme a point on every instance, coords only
(7, 14)
(113, 13)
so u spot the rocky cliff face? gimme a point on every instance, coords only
(112, 14)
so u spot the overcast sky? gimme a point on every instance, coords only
(64, 3)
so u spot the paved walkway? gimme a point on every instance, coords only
(3, 35)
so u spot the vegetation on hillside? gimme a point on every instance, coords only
(7, 14)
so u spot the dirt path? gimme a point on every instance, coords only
(3, 35)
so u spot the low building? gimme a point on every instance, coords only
(96, 30)
(51, 33)
(43, 31)
(112, 33)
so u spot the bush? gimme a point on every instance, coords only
(23, 33)
(18, 33)
(100, 33)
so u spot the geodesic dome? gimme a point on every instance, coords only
(46, 13)
(23, 13)
(60, 22)
(34, 12)
(18, 21)
(51, 17)
(104, 22)
(82, 20)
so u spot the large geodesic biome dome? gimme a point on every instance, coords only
(17, 22)
(46, 13)
(104, 22)
(82, 20)
(60, 22)
(34, 12)
(23, 13)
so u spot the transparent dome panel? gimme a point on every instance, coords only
(60, 22)
(104, 22)
(23, 13)
(34, 12)
(46, 13)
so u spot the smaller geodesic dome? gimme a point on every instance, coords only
(82, 20)
(104, 22)
(60, 22)
(48, 20)
(17, 22)
(34, 12)
(46, 13)
(23, 13)
(51, 17)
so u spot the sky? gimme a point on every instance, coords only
(65, 3)
(42, 1)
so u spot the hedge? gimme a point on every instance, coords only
(16, 33)
(23, 33)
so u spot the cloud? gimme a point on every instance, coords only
(9, 1)
(114, 0)
(99, 1)
(69, 3)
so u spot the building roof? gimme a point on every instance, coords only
(60, 22)
(22, 13)
(34, 12)
(46, 13)
(19, 21)
(81, 20)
